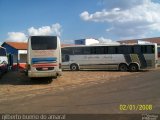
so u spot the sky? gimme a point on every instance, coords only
(106, 20)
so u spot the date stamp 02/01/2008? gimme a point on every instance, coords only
(135, 107)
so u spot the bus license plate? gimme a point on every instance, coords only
(44, 68)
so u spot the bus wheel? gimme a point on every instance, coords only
(123, 67)
(74, 67)
(133, 67)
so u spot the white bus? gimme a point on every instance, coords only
(44, 56)
(110, 57)
(3, 61)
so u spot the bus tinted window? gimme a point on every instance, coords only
(112, 50)
(124, 49)
(158, 51)
(87, 50)
(150, 49)
(147, 49)
(67, 51)
(121, 50)
(105, 49)
(78, 50)
(144, 49)
(43, 42)
(2, 52)
(137, 49)
(98, 50)
(128, 50)
(93, 50)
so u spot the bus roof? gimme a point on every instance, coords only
(108, 45)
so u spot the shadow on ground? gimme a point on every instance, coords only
(94, 70)
(18, 78)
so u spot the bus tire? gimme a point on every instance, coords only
(123, 67)
(26, 72)
(74, 67)
(133, 67)
(54, 77)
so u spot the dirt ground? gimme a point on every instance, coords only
(16, 84)
(79, 92)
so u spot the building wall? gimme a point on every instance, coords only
(13, 51)
(23, 58)
(80, 42)
(9, 49)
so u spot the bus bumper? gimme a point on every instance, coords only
(44, 74)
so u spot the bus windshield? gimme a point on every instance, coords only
(43, 42)
(2, 52)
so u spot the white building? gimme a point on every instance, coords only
(88, 41)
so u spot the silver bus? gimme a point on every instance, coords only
(110, 57)
(44, 56)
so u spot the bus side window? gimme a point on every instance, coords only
(158, 51)
(137, 49)
(153, 49)
(105, 49)
(147, 49)
(128, 50)
(93, 50)
(111, 50)
(87, 50)
(99, 50)
(120, 49)
(143, 49)
(66, 57)
(67, 51)
(132, 49)
(150, 49)
(78, 50)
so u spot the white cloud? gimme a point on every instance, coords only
(16, 37)
(106, 40)
(54, 29)
(138, 20)
(102, 39)
(85, 16)
(122, 4)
